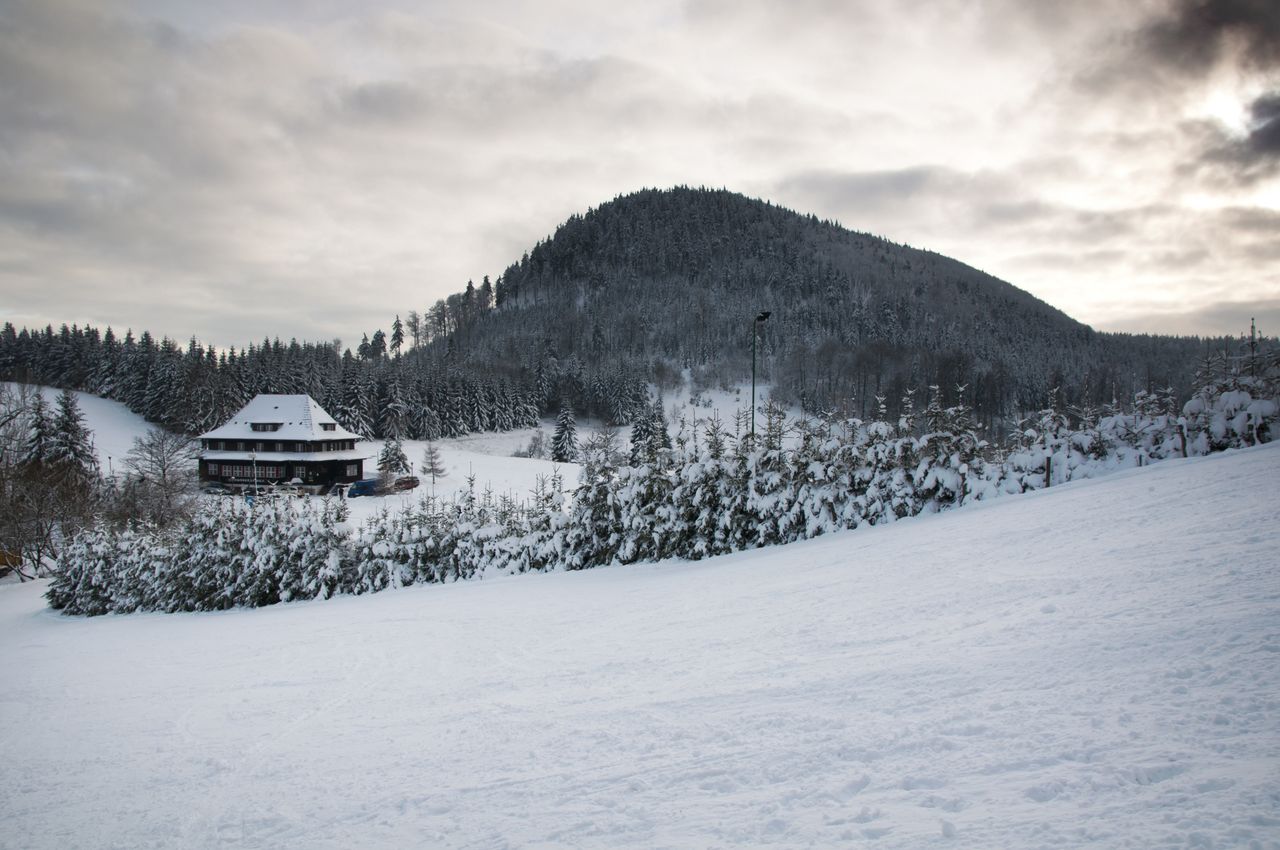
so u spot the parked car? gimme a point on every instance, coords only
(215, 489)
(405, 482)
(363, 487)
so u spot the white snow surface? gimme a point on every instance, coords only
(113, 425)
(1096, 664)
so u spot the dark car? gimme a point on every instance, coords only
(406, 482)
(364, 487)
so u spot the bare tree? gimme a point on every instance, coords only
(159, 485)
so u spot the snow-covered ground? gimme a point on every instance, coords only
(486, 456)
(1097, 664)
(113, 425)
(489, 456)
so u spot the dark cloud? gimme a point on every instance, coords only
(1264, 137)
(1158, 62)
(1243, 158)
(1196, 35)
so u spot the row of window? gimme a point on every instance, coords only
(264, 471)
(267, 471)
(243, 446)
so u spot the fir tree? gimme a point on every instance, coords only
(39, 442)
(564, 443)
(70, 450)
(397, 336)
(392, 460)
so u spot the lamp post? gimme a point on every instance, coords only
(760, 319)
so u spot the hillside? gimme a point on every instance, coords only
(668, 281)
(1093, 664)
(652, 289)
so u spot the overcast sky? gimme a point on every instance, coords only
(241, 169)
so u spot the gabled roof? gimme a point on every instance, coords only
(298, 416)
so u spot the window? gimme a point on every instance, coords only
(352, 471)
(328, 426)
(213, 469)
(265, 426)
(302, 447)
(240, 446)
(279, 447)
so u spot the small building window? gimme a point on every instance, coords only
(352, 471)
(328, 426)
(279, 447)
(213, 469)
(265, 426)
(240, 446)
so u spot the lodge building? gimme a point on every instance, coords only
(281, 439)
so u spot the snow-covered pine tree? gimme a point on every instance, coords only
(948, 455)
(70, 451)
(39, 441)
(564, 443)
(641, 438)
(392, 460)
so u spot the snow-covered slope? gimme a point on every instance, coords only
(113, 425)
(1095, 664)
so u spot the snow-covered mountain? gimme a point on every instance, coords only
(1092, 664)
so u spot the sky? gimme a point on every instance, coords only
(236, 170)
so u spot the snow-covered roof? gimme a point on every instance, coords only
(267, 457)
(298, 416)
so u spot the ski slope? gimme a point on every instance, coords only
(1097, 664)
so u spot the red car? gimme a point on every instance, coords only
(405, 482)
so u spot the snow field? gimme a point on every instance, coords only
(1098, 664)
(113, 425)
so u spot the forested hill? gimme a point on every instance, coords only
(671, 280)
(641, 291)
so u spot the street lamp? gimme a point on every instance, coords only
(761, 318)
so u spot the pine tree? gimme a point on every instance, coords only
(392, 460)
(432, 464)
(397, 336)
(39, 440)
(641, 439)
(564, 444)
(70, 449)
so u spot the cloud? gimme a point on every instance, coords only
(1195, 35)
(1223, 318)
(1264, 136)
(305, 169)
